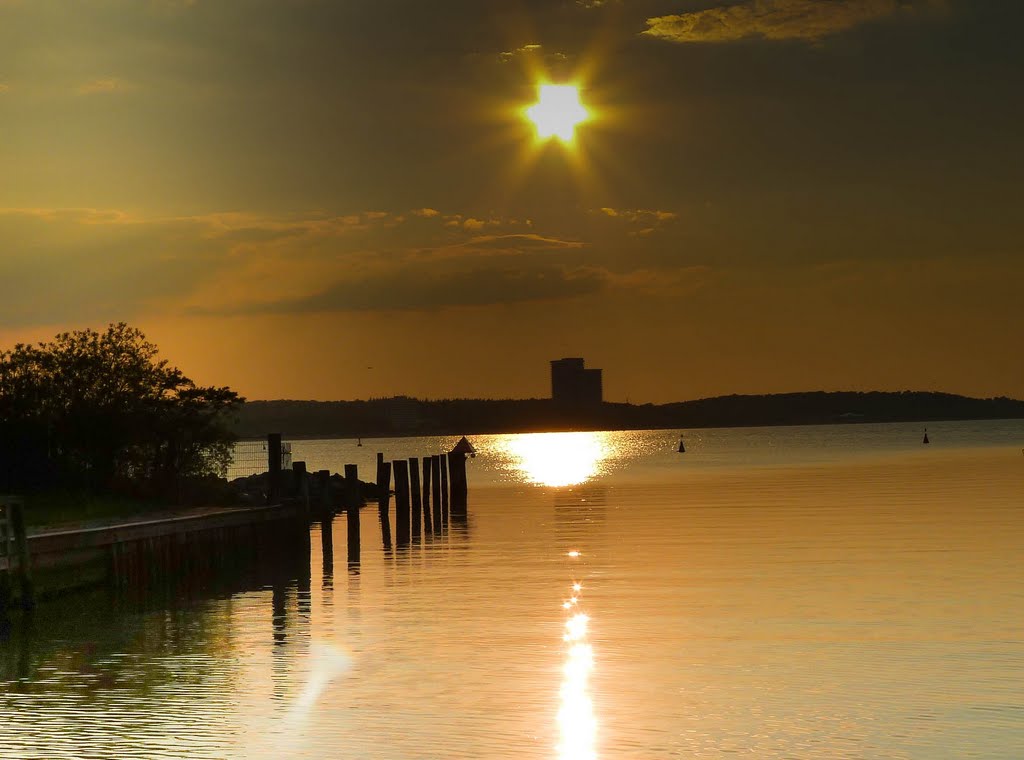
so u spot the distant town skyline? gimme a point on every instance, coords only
(325, 200)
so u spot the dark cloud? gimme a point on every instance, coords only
(94, 264)
(413, 287)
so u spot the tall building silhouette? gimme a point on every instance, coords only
(574, 385)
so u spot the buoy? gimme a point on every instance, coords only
(682, 448)
(925, 436)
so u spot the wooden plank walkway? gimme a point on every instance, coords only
(48, 545)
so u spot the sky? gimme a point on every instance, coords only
(338, 199)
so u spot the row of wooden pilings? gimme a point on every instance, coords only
(144, 553)
(423, 506)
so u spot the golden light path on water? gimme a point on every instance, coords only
(558, 459)
(577, 725)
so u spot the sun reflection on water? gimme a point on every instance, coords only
(558, 459)
(576, 722)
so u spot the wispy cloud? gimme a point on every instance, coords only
(4, 88)
(508, 55)
(417, 287)
(807, 20)
(73, 264)
(520, 242)
(533, 49)
(641, 221)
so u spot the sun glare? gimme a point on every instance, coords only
(557, 459)
(557, 112)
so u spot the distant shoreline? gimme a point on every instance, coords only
(455, 433)
(404, 417)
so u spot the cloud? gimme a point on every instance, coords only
(521, 242)
(4, 88)
(532, 50)
(508, 55)
(72, 264)
(81, 265)
(426, 213)
(103, 86)
(75, 265)
(807, 20)
(420, 287)
(647, 220)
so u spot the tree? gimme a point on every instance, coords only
(102, 410)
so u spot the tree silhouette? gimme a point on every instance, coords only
(101, 410)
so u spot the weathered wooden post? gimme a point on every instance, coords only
(300, 485)
(428, 465)
(323, 484)
(384, 499)
(401, 467)
(457, 469)
(457, 473)
(435, 476)
(299, 474)
(444, 485)
(273, 467)
(16, 516)
(417, 503)
(323, 478)
(353, 500)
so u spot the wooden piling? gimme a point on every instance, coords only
(428, 466)
(435, 477)
(273, 468)
(402, 527)
(16, 518)
(384, 499)
(444, 485)
(459, 487)
(323, 484)
(300, 486)
(417, 503)
(299, 476)
(353, 501)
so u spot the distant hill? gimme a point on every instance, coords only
(408, 416)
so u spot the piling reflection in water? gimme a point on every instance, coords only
(557, 459)
(576, 722)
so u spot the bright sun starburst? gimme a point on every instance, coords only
(557, 111)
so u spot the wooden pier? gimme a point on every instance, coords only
(138, 552)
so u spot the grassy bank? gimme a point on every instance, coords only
(49, 508)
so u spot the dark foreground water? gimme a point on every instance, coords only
(825, 592)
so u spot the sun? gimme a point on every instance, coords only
(557, 111)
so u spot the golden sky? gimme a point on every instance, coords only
(314, 199)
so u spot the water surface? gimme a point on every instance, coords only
(806, 592)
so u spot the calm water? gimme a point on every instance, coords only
(807, 592)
